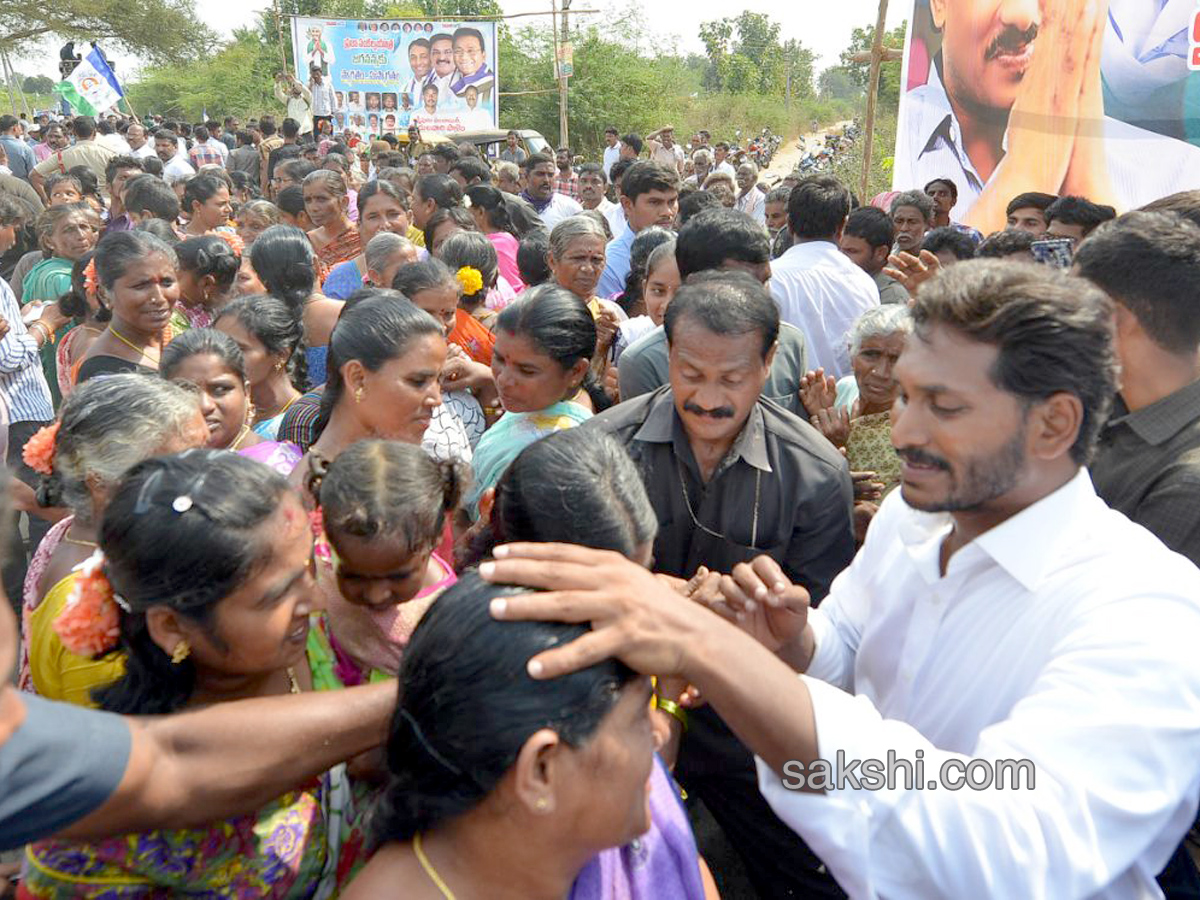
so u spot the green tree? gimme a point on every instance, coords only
(837, 83)
(889, 72)
(159, 31)
(37, 84)
(746, 57)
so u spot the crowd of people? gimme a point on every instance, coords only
(388, 519)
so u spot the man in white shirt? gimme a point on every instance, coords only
(750, 199)
(297, 98)
(1001, 628)
(324, 99)
(817, 288)
(539, 191)
(175, 164)
(612, 149)
(135, 136)
(592, 182)
(721, 160)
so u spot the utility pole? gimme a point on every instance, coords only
(560, 67)
(787, 97)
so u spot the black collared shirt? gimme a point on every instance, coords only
(782, 490)
(1148, 467)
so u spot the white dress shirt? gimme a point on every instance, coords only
(324, 100)
(147, 149)
(754, 204)
(821, 292)
(560, 207)
(611, 155)
(929, 145)
(177, 167)
(1066, 636)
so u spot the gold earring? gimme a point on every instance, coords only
(358, 395)
(180, 653)
(541, 804)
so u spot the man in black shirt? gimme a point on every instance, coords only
(1147, 465)
(732, 477)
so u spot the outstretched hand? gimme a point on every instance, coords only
(912, 271)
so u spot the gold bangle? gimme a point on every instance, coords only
(45, 331)
(671, 708)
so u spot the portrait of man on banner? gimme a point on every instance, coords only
(1008, 96)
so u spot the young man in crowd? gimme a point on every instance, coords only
(1027, 212)
(566, 182)
(867, 240)
(553, 207)
(818, 289)
(649, 196)
(1075, 218)
(612, 149)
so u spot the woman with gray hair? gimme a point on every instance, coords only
(385, 255)
(105, 427)
(577, 258)
(855, 412)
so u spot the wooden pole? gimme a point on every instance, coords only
(868, 135)
(17, 84)
(562, 81)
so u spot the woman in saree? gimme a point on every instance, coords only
(242, 630)
(104, 428)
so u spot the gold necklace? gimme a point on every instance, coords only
(688, 502)
(293, 684)
(70, 540)
(241, 437)
(144, 351)
(430, 870)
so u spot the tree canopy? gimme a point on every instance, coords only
(745, 56)
(159, 31)
(889, 72)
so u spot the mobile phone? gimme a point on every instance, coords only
(1054, 252)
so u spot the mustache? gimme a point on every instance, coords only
(921, 458)
(721, 412)
(1011, 40)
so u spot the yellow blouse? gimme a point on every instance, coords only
(869, 448)
(59, 674)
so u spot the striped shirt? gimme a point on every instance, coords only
(22, 383)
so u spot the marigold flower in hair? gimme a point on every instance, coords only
(38, 452)
(232, 239)
(90, 281)
(471, 280)
(90, 623)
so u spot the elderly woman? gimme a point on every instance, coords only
(254, 218)
(382, 209)
(854, 412)
(576, 260)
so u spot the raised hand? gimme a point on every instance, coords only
(818, 391)
(1088, 175)
(834, 423)
(912, 271)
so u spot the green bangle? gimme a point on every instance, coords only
(671, 708)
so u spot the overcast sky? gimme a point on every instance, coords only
(827, 31)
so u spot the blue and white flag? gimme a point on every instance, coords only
(91, 88)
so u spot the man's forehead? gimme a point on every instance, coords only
(941, 358)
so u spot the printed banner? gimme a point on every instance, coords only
(388, 74)
(1094, 99)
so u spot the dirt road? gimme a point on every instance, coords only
(789, 155)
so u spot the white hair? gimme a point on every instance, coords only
(382, 247)
(702, 156)
(880, 321)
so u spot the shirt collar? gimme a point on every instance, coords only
(662, 426)
(1159, 422)
(539, 207)
(941, 125)
(1025, 545)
